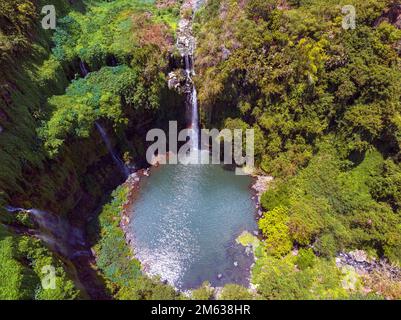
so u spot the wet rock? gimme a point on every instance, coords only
(219, 276)
(235, 263)
(185, 39)
(261, 184)
(359, 255)
(225, 52)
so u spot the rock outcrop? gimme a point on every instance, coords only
(363, 264)
(392, 16)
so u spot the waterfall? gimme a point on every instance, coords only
(195, 119)
(83, 68)
(13, 209)
(192, 105)
(186, 47)
(120, 164)
(69, 243)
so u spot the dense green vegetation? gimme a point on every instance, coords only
(324, 103)
(23, 89)
(293, 74)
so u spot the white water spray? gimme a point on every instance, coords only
(54, 231)
(83, 68)
(192, 101)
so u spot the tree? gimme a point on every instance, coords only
(204, 292)
(274, 228)
(235, 292)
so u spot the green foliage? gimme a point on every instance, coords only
(12, 272)
(278, 279)
(16, 17)
(87, 100)
(235, 292)
(145, 288)
(32, 90)
(27, 77)
(305, 259)
(387, 186)
(330, 205)
(134, 34)
(296, 75)
(21, 263)
(40, 257)
(204, 292)
(113, 255)
(116, 28)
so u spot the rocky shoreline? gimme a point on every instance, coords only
(260, 185)
(133, 185)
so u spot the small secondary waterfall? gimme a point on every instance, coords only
(56, 232)
(83, 68)
(69, 243)
(120, 164)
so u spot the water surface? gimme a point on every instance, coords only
(185, 222)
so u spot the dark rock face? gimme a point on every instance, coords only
(392, 15)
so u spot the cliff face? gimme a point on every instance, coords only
(392, 15)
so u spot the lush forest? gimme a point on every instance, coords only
(325, 104)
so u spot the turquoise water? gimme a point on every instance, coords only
(185, 222)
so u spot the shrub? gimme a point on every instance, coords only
(274, 228)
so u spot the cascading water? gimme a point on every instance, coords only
(69, 243)
(192, 105)
(120, 164)
(186, 47)
(56, 232)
